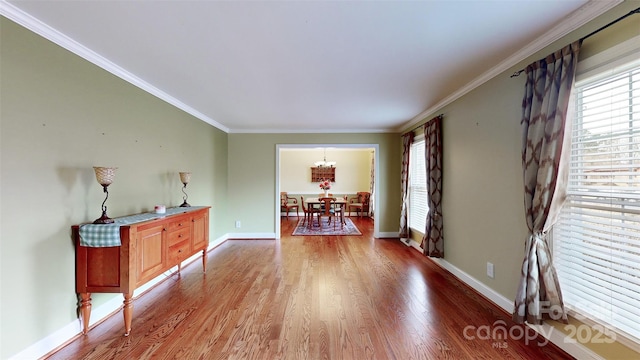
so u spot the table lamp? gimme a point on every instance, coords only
(184, 179)
(104, 175)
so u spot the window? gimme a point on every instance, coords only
(596, 241)
(418, 206)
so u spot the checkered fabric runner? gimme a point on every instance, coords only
(107, 235)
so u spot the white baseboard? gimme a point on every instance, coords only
(51, 342)
(556, 337)
(292, 214)
(98, 314)
(387, 235)
(301, 214)
(489, 293)
(271, 236)
(215, 243)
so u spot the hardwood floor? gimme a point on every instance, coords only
(311, 297)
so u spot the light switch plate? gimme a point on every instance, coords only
(490, 270)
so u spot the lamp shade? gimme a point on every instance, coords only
(105, 175)
(185, 177)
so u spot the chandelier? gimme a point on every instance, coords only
(324, 162)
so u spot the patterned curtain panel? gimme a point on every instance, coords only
(544, 109)
(407, 140)
(432, 242)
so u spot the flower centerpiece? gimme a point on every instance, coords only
(325, 185)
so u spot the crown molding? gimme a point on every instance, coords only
(22, 18)
(311, 131)
(578, 18)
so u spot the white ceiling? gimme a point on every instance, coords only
(306, 66)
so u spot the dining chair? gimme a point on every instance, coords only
(338, 211)
(287, 202)
(328, 209)
(360, 203)
(308, 214)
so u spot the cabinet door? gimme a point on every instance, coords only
(200, 232)
(150, 254)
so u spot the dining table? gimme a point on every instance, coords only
(316, 203)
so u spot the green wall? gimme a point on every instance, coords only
(61, 115)
(483, 203)
(252, 176)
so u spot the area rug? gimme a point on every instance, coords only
(348, 229)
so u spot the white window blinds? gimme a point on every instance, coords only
(596, 241)
(418, 206)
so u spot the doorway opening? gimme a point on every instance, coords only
(355, 170)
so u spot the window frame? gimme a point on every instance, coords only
(411, 212)
(617, 59)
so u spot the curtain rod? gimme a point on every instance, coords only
(632, 12)
(421, 125)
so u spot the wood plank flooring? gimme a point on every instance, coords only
(310, 297)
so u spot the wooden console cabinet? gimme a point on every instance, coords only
(147, 249)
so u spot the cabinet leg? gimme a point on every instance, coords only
(204, 260)
(85, 311)
(127, 311)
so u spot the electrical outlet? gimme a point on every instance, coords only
(238, 224)
(490, 272)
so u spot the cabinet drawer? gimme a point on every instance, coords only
(179, 235)
(180, 223)
(178, 252)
